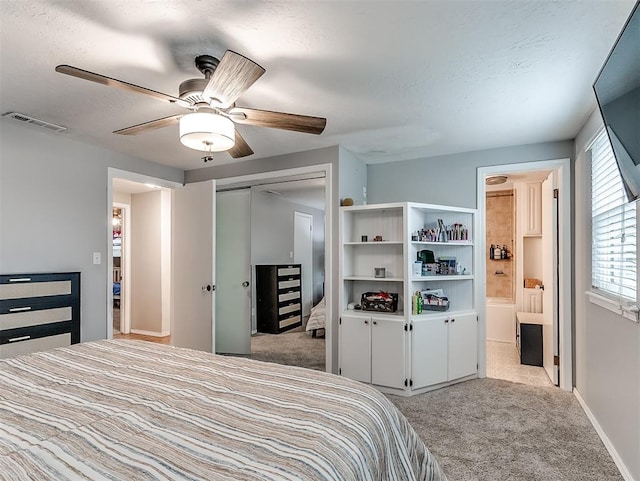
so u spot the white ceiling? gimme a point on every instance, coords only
(395, 80)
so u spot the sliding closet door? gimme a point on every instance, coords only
(193, 266)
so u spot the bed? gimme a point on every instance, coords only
(123, 409)
(316, 319)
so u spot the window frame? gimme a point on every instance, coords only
(615, 302)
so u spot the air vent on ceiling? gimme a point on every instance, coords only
(38, 123)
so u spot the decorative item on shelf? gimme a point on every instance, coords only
(347, 202)
(379, 301)
(364, 238)
(379, 272)
(447, 266)
(377, 238)
(434, 300)
(417, 268)
(442, 233)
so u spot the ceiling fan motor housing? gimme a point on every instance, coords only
(191, 90)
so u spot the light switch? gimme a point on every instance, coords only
(97, 258)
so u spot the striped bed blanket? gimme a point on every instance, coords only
(133, 410)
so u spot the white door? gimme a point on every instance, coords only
(233, 272)
(550, 345)
(463, 357)
(387, 353)
(303, 255)
(355, 348)
(429, 351)
(193, 266)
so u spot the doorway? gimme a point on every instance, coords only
(524, 232)
(272, 187)
(138, 272)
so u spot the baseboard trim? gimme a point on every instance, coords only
(150, 333)
(624, 471)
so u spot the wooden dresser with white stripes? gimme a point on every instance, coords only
(38, 312)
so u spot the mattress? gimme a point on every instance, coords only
(122, 409)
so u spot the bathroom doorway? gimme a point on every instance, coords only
(525, 322)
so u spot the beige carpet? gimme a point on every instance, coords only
(489, 429)
(294, 348)
(485, 429)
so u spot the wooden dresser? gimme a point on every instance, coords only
(278, 297)
(38, 312)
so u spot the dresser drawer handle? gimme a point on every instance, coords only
(20, 309)
(21, 338)
(20, 279)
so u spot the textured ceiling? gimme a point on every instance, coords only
(395, 80)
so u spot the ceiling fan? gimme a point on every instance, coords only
(209, 126)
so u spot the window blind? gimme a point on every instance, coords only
(614, 243)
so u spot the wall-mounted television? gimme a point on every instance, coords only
(617, 90)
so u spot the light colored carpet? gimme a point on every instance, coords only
(293, 348)
(485, 429)
(489, 429)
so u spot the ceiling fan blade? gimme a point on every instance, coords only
(233, 75)
(240, 148)
(278, 120)
(151, 125)
(111, 82)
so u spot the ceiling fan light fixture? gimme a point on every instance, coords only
(206, 131)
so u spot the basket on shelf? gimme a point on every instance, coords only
(379, 301)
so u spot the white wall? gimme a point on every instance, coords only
(607, 346)
(150, 278)
(54, 213)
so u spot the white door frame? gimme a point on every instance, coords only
(134, 177)
(325, 169)
(562, 168)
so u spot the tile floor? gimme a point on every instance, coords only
(503, 362)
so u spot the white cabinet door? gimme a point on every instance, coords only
(429, 351)
(463, 347)
(532, 209)
(355, 348)
(388, 352)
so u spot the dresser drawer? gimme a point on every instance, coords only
(28, 345)
(21, 287)
(288, 296)
(288, 309)
(30, 317)
(288, 271)
(289, 321)
(288, 284)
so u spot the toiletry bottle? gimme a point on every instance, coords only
(491, 251)
(418, 303)
(503, 252)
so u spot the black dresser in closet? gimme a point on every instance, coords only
(278, 297)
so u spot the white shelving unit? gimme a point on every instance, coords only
(402, 352)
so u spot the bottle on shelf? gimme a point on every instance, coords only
(491, 251)
(503, 252)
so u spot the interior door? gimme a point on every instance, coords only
(193, 266)
(303, 255)
(233, 265)
(550, 343)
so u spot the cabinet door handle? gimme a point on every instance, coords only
(366, 322)
(375, 323)
(453, 320)
(21, 338)
(446, 321)
(20, 309)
